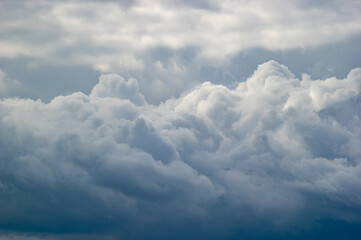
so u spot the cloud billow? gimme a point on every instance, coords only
(273, 153)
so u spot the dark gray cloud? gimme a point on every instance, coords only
(274, 155)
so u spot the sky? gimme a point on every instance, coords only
(180, 119)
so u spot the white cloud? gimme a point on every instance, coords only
(278, 149)
(112, 85)
(109, 35)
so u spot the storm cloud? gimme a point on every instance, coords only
(275, 153)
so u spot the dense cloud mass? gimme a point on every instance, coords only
(276, 153)
(173, 141)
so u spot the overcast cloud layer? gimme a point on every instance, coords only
(170, 120)
(171, 46)
(104, 30)
(276, 153)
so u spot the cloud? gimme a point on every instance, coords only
(171, 46)
(112, 85)
(112, 35)
(276, 152)
(7, 85)
(2, 82)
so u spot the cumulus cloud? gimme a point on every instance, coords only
(273, 153)
(171, 46)
(114, 86)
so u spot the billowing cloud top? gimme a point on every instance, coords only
(276, 152)
(50, 48)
